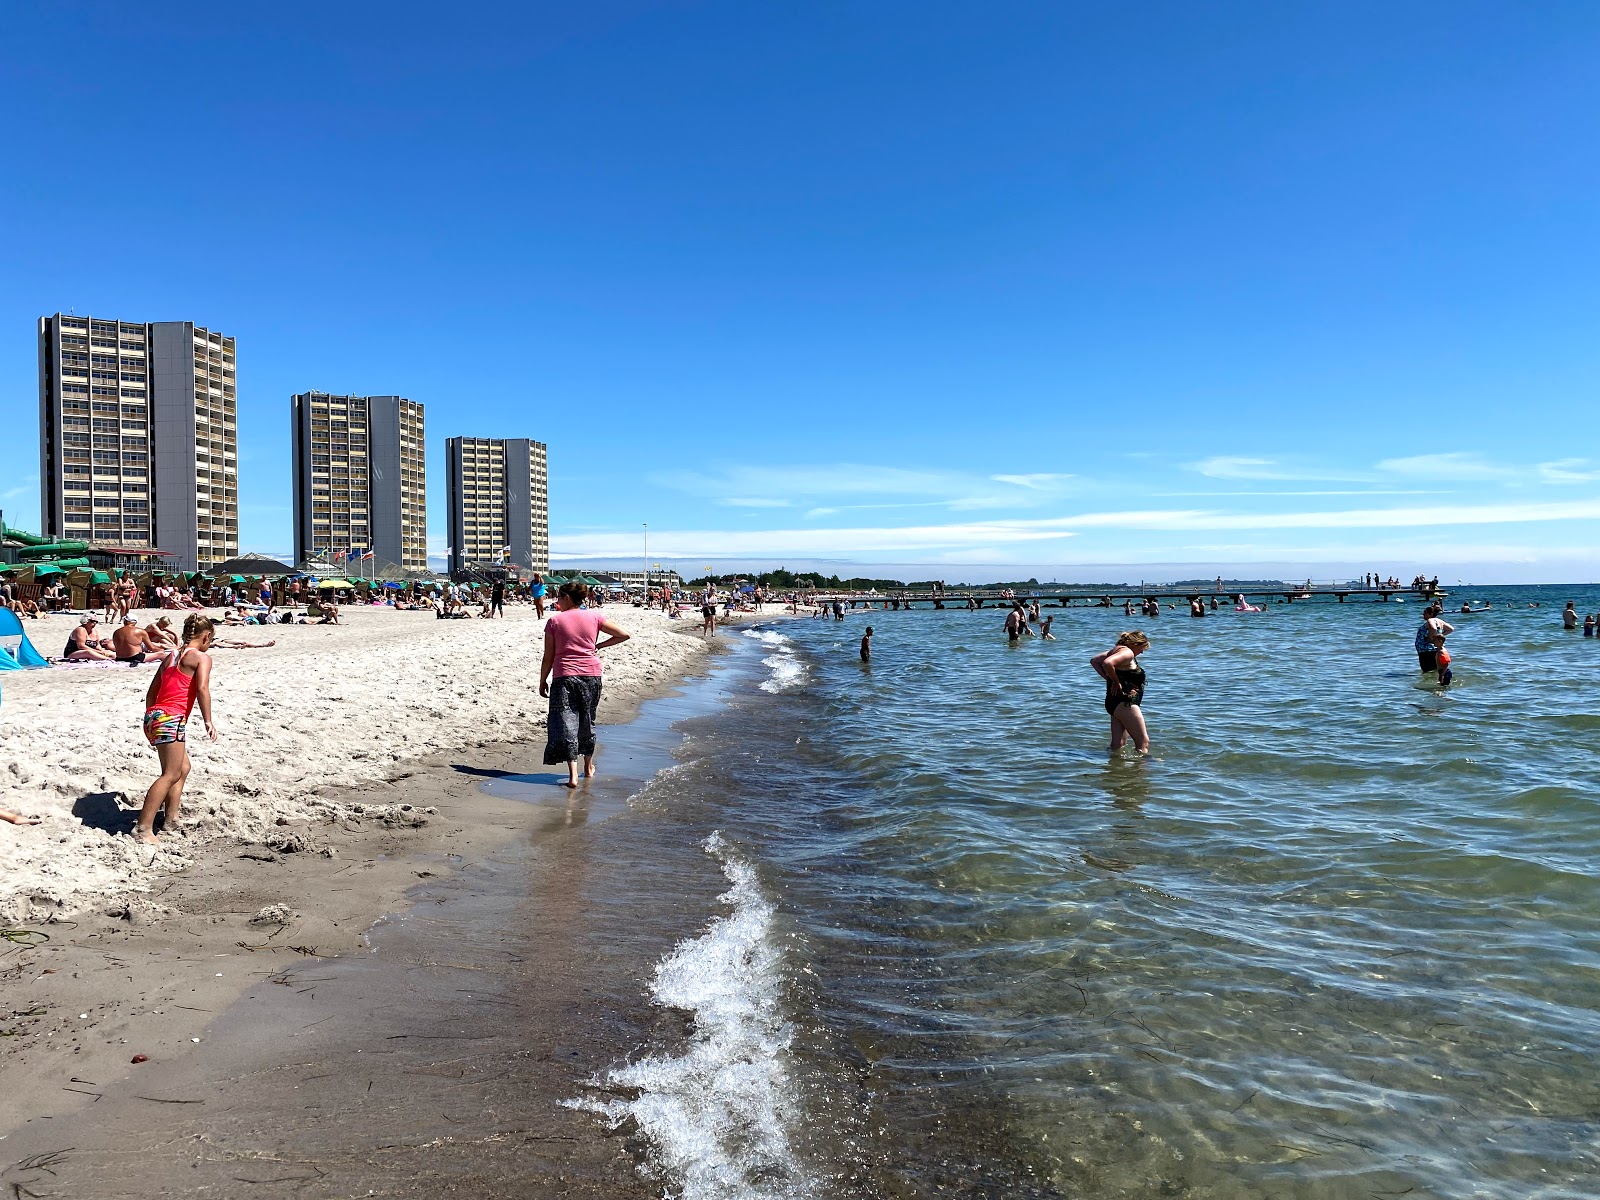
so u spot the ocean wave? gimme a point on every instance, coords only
(788, 673)
(770, 636)
(717, 1115)
(788, 669)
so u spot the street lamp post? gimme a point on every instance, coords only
(646, 525)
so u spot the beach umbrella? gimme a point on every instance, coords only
(326, 584)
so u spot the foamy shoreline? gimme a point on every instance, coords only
(326, 707)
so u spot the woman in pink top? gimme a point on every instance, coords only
(571, 655)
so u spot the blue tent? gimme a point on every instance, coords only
(19, 652)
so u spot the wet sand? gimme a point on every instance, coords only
(428, 1057)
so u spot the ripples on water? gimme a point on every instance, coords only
(1336, 938)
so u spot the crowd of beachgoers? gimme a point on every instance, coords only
(101, 751)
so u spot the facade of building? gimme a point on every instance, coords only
(360, 478)
(138, 437)
(499, 502)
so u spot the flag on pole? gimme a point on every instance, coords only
(366, 554)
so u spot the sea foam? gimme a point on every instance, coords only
(787, 669)
(717, 1115)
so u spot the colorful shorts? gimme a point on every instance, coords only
(162, 728)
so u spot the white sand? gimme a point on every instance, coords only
(328, 706)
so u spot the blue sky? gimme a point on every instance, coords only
(949, 286)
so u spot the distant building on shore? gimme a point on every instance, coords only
(139, 437)
(499, 502)
(360, 478)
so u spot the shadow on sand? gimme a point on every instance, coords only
(100, 810)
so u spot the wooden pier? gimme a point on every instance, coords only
(1062, 597)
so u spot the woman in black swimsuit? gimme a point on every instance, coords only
(1124, 677)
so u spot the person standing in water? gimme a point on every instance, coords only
(571, 653)
(1017, 623)
(1044, 631)
(1428, 642)
(182, 680)
(1119, 667)
(866, 645)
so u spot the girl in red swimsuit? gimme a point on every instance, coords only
(182, 679)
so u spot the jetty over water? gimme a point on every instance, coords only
(1070, 597)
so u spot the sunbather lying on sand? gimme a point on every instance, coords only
(17, 819)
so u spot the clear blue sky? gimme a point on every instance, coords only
(942, 284)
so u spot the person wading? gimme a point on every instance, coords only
(1124, 678)
(571, 655)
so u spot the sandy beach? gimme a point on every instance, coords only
(248, 1024)
(325, 708)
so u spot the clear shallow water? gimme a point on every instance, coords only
(1338, 937)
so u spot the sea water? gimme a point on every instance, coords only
(1338, 936)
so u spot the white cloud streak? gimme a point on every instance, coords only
(967, 536)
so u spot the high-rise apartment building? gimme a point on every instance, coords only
(360, 478)
(499, 498)
(138, 437)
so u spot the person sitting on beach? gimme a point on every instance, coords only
(330, 614)
(27, 608)
(1125, 683)
(84, 646)
(133, 644)
(12, 818)
(162, 634)
(182, 680)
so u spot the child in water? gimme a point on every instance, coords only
(1445, 673)
(1044, 631)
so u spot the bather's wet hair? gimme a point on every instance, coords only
(197, 624)
(1133, 640)
(576, 592)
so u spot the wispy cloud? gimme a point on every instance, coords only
(1569, 470)
(1037, 482)
(28, 487)
(839, 486)
(1457, 466)
(1242, 467)
(984, 535)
